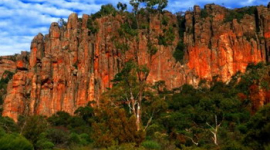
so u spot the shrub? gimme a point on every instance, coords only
(104, 11)
(92, 26)
(165, 20)
(57, 136)
(204, 13)
(167, 38)
(74, 139)
(44, 144)
(151, 145)
(179, 52)
(8, 124)
(14, 141)
(239, 13)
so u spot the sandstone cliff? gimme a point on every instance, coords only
(7, 63)
(72, 66)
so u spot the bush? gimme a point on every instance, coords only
(57, 136)
(167, 38)
(165, 20)
(8, 124)
(92, 26)
(60, 118)
(104, 11)
(179, 52)
(44, 144)
(233, 145)
(239, 13)
(151, 145)
(204, 13)
(85, 139)
(33, 127)
(14, 141)
(74, 139)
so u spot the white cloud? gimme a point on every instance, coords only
(21, 20)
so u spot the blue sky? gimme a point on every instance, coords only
(21, 20)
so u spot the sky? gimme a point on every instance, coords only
(21, 20)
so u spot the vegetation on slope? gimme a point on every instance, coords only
(3, 87)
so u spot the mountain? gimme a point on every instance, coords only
(76, 62)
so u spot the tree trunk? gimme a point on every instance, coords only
(138, 117)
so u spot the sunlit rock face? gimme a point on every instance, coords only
(7, 63)
(69, 67)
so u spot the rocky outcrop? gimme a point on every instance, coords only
(7, 63)
(71, 66)
(218, 47)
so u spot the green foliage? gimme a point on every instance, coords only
(135, 4)
(165, 20)
(167, 38)
(14, 141)
(44, 143)
(85, 139)
(123, 47)
(92, 25)
(75, 65)
(32, 127)
(87, 113)
(259, 129)
(7, 75)
(8, 125)
(239, 13)
(74, 138)
(179, 52)
(192, 111)
(181, 24)
(121, 7)
(152, 50)
(234, 145)
(254, 73)
(151, 145)
(125, 72)
(158, 4)
(114, 126)
(128, 30)
(144, 25)
(60, 118)
(58, 136)
(105, 11)
(204, 13)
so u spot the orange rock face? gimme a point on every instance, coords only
(69, 67)
(7, 63)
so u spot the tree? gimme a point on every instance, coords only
(8, 124)
(121, 7)
(32, 127)
(87, 113)
(259, 129)
(60, 118)
(129, 87)
(105, 11)
(159, 4)
(135, 4)
(214, 130)
(113, 125)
